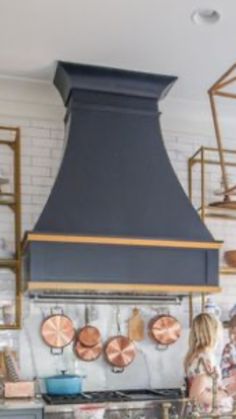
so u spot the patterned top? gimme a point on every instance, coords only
(228, 360)
(204, 363)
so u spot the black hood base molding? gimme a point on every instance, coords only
(120, 263)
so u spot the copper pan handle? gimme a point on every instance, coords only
(160, 347)
(56, 310)
(56, 351)
(63, 372)
(117, 370)
(118, 320)
(86, 315)
(160, 311)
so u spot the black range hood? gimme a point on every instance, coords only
(117, 218)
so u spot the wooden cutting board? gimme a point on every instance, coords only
(136, 326)
(11, 365)
(3, 370)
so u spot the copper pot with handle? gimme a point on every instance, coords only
(89, 335)
(88, 345)
(87, 353)
(120, 350)
(57, 330)
(165, 330)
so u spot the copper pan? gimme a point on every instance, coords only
(88, 345)
(89, 335)
(87, 353)
(165, 330)
(120, 350)
(57, 331)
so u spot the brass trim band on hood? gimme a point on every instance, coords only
(186, 289)
(120, 241)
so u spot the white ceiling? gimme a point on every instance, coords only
(149, 35)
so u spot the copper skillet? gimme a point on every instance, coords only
(119, 350)
(89, 335)
(165, 330)
(88, 345)
(86, 353)
(57, 330)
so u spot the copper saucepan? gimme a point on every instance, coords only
(165, 330)
(120, 350)
(87, 353)
(89, 335)
(57, 331)
(88, 345)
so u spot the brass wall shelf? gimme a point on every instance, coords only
(9, 263)
(201, 156)
(216, 212)
(227, 270)
(225, 207)
(209, 156)
(224, 87)
(13, 201)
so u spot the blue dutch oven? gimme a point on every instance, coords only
(64, 385)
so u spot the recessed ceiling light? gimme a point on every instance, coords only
(205, 16)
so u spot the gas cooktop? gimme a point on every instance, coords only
(116, 396)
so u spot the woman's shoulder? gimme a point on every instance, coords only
(207, 356)
(208, 359)
(204, 362)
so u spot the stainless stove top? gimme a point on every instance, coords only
(115, 396)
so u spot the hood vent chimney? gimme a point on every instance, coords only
(117, 218)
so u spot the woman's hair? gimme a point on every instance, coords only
(203, 335)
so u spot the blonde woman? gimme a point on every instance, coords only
(200, 364)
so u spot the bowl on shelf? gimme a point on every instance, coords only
(230, 258)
